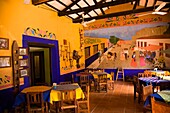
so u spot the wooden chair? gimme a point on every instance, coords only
(141, 75)
(84, 80)
(68, 100)
(35, 102)
(66, 82)
(147, 73)
(147, 90)
(102, 82)
(137, 88)
(159, 107)
(83, 105)
(110, 83)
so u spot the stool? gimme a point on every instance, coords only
(120, 72)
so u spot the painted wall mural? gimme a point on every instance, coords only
(6, 81)
(39, 33)
(123, 21)
(129, 51)
(71, 60)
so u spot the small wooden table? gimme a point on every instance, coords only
(55, 94)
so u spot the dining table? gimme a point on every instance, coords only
(98, 73)
(153, 80)
(21, 97)
(55, 94)
(163, 96)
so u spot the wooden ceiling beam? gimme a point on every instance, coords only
(86, 12)
(38, 2)
(151, 8)
(146, 3)
(100, 8)
(89, 6)
(164, 0)
(72, 4)
(135, 5)
(102, 5)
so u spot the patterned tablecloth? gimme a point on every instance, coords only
(55, 94)
(163, 96)
(154, 80)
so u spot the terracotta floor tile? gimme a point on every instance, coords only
(120, 100)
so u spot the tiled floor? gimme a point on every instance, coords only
(120, 100)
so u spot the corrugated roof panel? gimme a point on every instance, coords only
(56, 5)
(82, 4)
(92, 13)
(73, 15)
(66, 2)
(90, 2)
(75, 7)
(98, 11)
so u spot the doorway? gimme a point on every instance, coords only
(40, 65)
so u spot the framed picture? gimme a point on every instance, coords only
(4, 43)
(5, 61)
(23, 51)
(23, 72)
(23, 62)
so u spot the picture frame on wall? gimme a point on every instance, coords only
(23, 72)
(4, 43)
(23, 62)
(5, 61)
(23, 51)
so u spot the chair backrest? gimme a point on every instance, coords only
(102, 78)
(87, 92)
(66, 82)
(147, 90)
(68, 96)
(141, 75)
(36, 99)
(112, 75)
(159, 107)
(83, 105)
(147, 73)
(84, 79)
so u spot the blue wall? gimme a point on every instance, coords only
(7, 97)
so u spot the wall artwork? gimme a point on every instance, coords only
(23, 62)
(23, 51)
(23, 72)
(5, 61)
(4, 43)
(135, 46)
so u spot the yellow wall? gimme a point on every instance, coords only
(15, 17)
(90, 41)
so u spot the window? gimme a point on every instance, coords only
(145, 44)
(95, 49)
(141, 44)
(167, 46)
(87, 52)
(160, 53)
(102, 46)
(138, 44)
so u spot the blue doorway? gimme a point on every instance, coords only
(54, 56)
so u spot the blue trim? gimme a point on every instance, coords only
(55, 64)
(91, 59)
